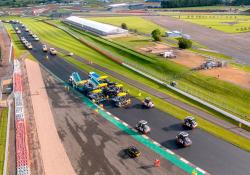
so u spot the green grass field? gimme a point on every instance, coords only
(3, 128)
(60, 39)
(133, 22)
(225, 23)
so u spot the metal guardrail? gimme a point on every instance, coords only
(241, 121)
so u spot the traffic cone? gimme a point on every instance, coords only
(157, 163)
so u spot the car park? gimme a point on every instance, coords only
(183, 139)
(133, 152)
(142, 127)
(52, 51)
(147, 102)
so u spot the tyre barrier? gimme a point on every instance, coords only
(22, 153)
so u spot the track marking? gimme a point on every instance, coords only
(117, 118)
(146, 137)
(125, 123)
(156, 143)
(108, 113)
(184, 160)
(170, 152)
(201, 170)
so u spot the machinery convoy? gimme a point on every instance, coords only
(99, 89)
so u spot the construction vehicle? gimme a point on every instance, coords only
(121, 100)
(96, 96)
(147, 102)
(76, 81)
(112, 90)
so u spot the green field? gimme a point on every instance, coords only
(3, 128)
(225, 23)
(133, 22)
(224, 90)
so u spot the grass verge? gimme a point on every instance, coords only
(3, 131)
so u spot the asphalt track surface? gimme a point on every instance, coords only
(208, 152)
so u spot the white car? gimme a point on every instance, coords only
(45, 49)
(18, 31)
(142, 126)
(36, 39)
(52, 51)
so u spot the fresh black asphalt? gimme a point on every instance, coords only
(208, 152)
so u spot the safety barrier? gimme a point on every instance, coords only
(22, 153)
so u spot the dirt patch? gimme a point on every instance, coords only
(193, 60)
(183, 57)
(230, 74)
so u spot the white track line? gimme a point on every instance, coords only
(146, 137)
(156, 143)
(117, 118)
(184, 160)
(125, 123)
(201, 170)
(170, 152)
(108, 113)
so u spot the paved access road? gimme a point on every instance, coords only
(207, 151)
(234, 45)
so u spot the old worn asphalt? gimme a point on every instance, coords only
(208, 152)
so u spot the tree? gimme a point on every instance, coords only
(184, 43)
(156, 35)
(124, 26)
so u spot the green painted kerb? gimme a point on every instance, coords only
(170, 157)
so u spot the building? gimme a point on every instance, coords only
(152, 3)
(177, 34)
(94, 27)
(126, 6)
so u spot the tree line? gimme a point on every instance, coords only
(24, 3)
(196, 3)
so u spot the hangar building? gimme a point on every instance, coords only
(93, 26)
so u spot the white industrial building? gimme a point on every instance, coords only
(93, 26)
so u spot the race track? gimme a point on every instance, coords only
(207, 151)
